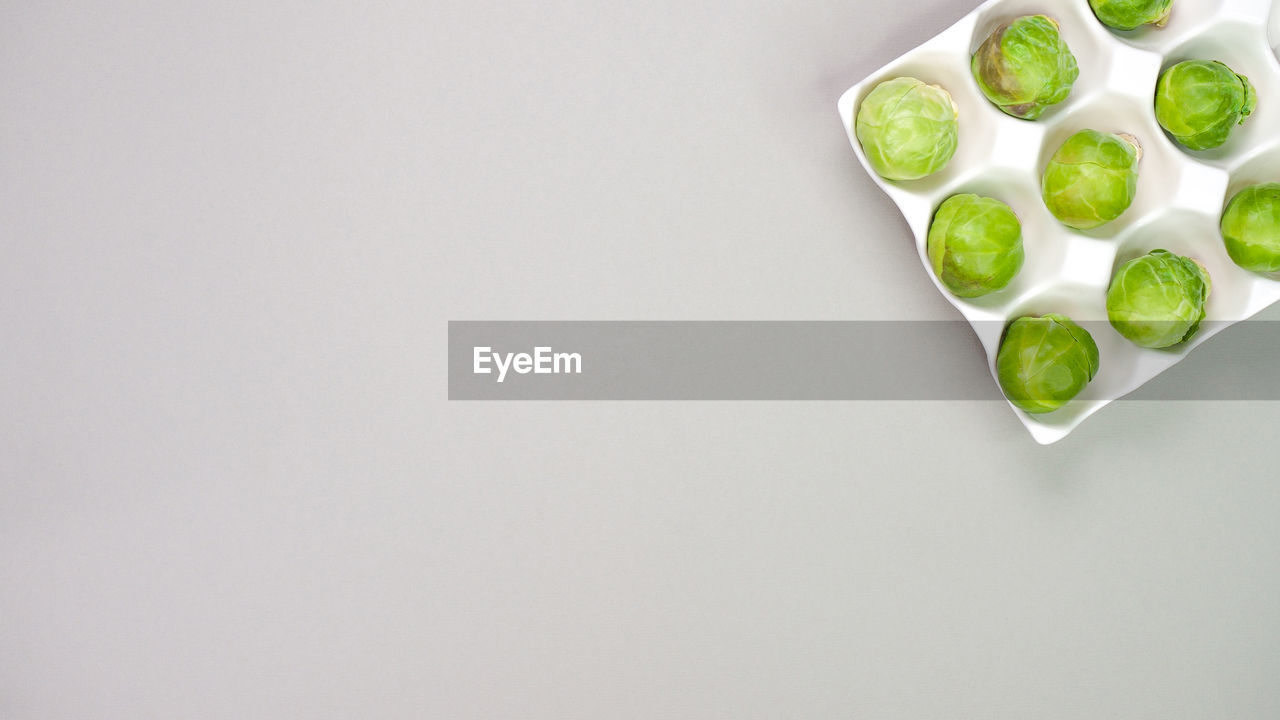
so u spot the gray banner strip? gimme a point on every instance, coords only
(856, 360)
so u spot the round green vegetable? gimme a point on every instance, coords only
(1132, 14)
(1043, 362)
(1158, 300)
(1198, 102)
(1025, 66)
(1092, 178)
(1251, 228)
(908, 129)
(975, 245)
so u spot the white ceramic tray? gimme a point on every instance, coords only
(1180, 195)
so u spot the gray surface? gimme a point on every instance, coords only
(231, 486)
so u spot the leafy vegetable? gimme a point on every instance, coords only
(908, 129)
(1251, 228)
(1091, 179)
(1025, 66)
(1158, 300)
(975, 245)
(1044, 362)
(1198, 102)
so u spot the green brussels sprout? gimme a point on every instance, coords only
(908, 129)
(1158, 300)
(1092, 178)
(975, 245)
(1025, 66)
(1251, 228)
(1132, 14)
(1198, 102)
(1043, 362)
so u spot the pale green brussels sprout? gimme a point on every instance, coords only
(1158, 300)
(1251, 228)
(975, 245)
(1045, 361)
(1198, 102)
(1025, 66)
(907, 129)
(1092, 178)
(1132, 14)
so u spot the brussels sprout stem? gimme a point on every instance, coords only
(1163, 20)
(1137, 146)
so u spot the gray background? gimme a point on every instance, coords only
(231, 485)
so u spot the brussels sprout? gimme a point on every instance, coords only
(907, 129)
(1158, 300)
(1131, 14)
(1251, 228)
(975, 245)
(1045, 361)
(1024, 66)
(1092, 178)
(1198, 102)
